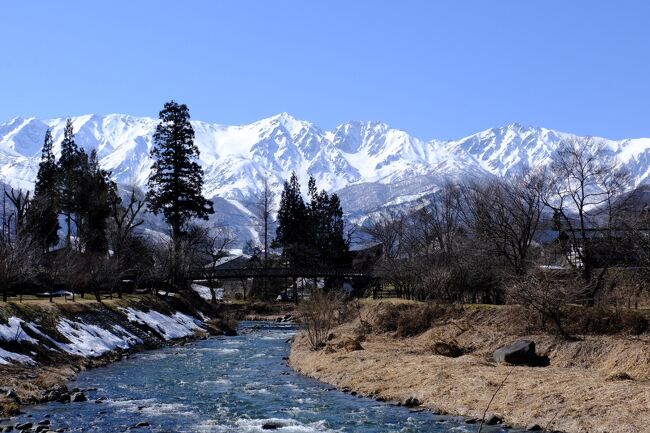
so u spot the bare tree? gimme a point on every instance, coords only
(548, 295)
(264, 206)
(506, 215)
(17, 262)
(18, 255)
(584, 183)
(125, 218)
(214, 247)
(20, 202)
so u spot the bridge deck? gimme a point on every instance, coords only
(279, 273)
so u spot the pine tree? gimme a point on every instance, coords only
(42, 217)
(176, 180)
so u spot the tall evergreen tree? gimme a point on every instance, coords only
(338, 244)
(94, 205)
(327, 227)
(70, 168)
(292, 229)
(43, 214)
(311, 234)
(176, 180)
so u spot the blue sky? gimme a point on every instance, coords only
(438, 69)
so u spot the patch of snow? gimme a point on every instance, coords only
(91, 340)
(178, 325)
(6, 357)
(204, 292)
(13, 331)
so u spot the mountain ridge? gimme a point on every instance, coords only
(354, 157)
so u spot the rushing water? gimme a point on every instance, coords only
(234, 384)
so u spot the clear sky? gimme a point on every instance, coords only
(438, 69)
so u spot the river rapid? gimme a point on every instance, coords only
(233, 384)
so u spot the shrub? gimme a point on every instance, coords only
(414, 321)
(450, 349)
(601, 320)
(408, 320)
(318, 315)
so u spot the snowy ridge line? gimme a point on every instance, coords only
(83, 338)
(370, 165)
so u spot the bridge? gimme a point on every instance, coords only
(287, 272)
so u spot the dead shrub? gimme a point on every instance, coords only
(601, 320)
(318, 315)
(554, 299)
(620, 376)
(408, 320)
(449, 349)
(414, 321)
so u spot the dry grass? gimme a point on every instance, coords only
(577, 393)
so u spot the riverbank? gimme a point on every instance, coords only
(43, 345)
(597, 384)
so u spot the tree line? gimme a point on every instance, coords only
(102, 244)
(80, 232)
(566, 233)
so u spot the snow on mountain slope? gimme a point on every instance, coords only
(370, 164)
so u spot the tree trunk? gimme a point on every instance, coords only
(295, 291)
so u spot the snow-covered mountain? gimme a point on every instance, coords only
(370, 164)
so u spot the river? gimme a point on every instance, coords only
(234, 384)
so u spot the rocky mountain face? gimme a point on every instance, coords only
(371, 165)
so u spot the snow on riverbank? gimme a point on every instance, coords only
(91, 340)
(13, 331)
(91, 337)
(178, 325)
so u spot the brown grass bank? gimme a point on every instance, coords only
(597, 384)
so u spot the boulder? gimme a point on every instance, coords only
(24, 426)
(412, 402)
(534, 427)
(520, 352)
(493, 420)
(272, 425)
(78, 397)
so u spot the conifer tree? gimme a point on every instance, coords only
(311, 234)
(176, 180)
(70, 167)
(94, 205)
(292, 230)
(43, 214)
(327, 238)
(337, 243)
